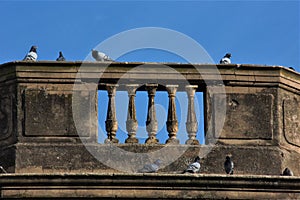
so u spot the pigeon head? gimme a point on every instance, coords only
(228, 55)
(33, 49)
(228, 158)
(197, 159)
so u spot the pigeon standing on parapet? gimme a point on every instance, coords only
(100, 56)
(226, 59)
(228, 165)
(193, 167)
(32, 55)
(287, 172)
(60, 57)
(151, 168)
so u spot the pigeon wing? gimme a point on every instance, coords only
(194, 167)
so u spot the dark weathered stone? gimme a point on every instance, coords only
(248, 116)
(49, 114)
(131, 123)
(191, 121)
(172, 123)
(292, 120)
(151, 123)
(111, 123)
(38, 133)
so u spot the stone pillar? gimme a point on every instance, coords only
(151, 123)
(172, 123)
(131, 123)
(111, 123)
(191, 122)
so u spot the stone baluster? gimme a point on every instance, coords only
(131, 123)
(111, 123)
(172, 123)
(191, 122)
(151, 123)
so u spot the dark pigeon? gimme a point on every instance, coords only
(226, 59)
(100, 56)
(287, 172)
(228, 165)
(60, 57)
(151, 168)
(32, 55)
(193, 167)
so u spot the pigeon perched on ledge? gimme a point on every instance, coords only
(287, 172)
(193, 167)
(60, 57)
(228, 165)
(151, 168)
(100, 56)
(32, 55)
(226, 59)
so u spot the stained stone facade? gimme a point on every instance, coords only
(49, 123)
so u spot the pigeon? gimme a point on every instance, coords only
(287, 172)
(100, 56)
(228, 165)
(226, 59)
(32, 55)
(193, 167)
(3, 170)
(60, 57)
(151, 168)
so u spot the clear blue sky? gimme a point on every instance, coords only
(255, 32)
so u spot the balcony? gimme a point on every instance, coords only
(51, 123)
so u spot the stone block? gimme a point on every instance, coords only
(248, 116)
(50, 114)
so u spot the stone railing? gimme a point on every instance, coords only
(251, 112)
(111, 123)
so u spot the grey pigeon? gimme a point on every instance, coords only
(287, 172)
(100, 56)
(60, 57)
(32, 55)
(193, 167)
(151, 168)
(226, 59)
(228, 165)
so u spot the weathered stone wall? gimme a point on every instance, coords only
(38, 133)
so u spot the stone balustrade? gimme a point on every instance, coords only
(49, 118)
(111, 122)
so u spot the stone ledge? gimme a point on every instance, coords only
(165, 186)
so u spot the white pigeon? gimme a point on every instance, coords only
(228, 165)
(193, 167)
(151, 168)
(100, 56)
(226, 59)
(32, 55)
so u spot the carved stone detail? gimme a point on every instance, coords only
(151, 123)
(292, 120)
(172, 123)
(191, 122)
(111, 123)
(5, 117)
(131, 123)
